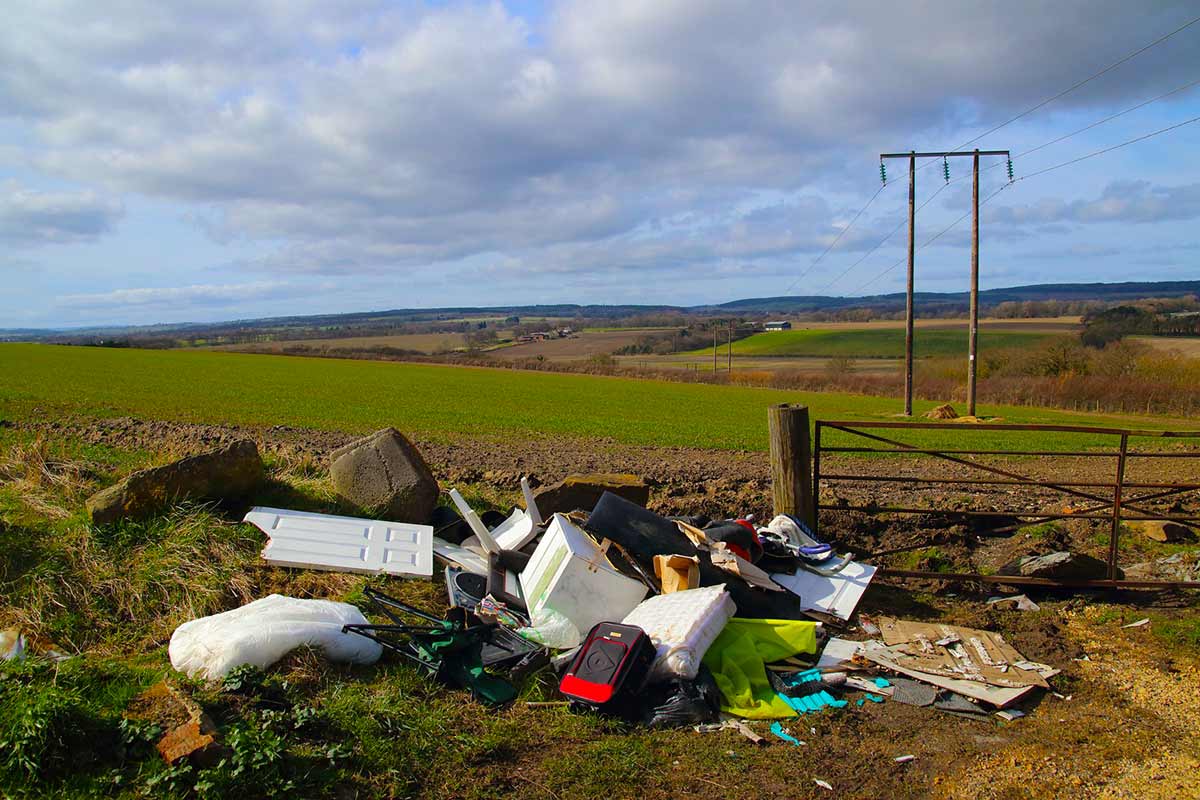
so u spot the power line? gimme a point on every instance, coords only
(870, 252)
(1083, 82)
(1108, 119)
(1110, 149)
(1126, 143)
(937, 235)
(1086, 128)
(832, 244)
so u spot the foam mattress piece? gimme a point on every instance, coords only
(262, 632)
(682, 626)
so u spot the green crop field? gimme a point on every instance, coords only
(875, 342)
(431, 400)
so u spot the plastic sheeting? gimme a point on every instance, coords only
(262, 632)
(682, 626)
(738, 660)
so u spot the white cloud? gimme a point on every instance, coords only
(1123, 201)
(371, 137)
(194, 295)
(29, 217)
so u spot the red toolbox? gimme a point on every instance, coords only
(611, 666)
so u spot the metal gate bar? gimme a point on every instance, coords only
(1116, 508)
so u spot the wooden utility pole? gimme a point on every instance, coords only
(715, 326)
(908, 294)
(912, 157)
(972, 361)
(729, 348)
(791, 462)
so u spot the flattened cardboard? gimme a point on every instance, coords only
(955, 652)
(893, 658)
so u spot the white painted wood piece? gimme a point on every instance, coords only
(344, 544)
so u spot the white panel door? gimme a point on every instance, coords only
(344, 544)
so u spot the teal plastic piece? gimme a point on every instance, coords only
(882, 683)
(777, 729)
(874, 698)
(813, 702)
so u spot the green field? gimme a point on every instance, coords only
(874, 342)
(433, 401)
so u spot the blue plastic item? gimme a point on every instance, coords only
(811, 702)
(882, 683)
(777, 729)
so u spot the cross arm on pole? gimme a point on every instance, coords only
(946, 154)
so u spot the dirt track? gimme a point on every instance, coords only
(718, 483)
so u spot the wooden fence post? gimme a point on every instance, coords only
(791, 461)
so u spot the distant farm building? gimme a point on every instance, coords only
(781, 325)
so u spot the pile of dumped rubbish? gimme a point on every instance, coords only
(664, 622)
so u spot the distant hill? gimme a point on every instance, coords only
(930, 301)
(926, 302)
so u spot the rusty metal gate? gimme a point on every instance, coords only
(1115, 501)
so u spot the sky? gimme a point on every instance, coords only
(215, 160)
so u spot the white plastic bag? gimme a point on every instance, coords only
(262, 632)
(551, 629)
(682, 626)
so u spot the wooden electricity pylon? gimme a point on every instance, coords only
(973, 337)
(729, 348)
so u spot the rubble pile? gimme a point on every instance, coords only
(655, 620)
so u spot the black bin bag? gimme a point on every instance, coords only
(646, 535)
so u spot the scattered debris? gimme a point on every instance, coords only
(738, 660)
(748, 732)
(344, 544)
(838, 653)
(447, 650)
(1177, 567)
(1010, 714)
(1138, 624)
(1061, 565)
(682, 625)
(189, 732)
(823, 784)
(569, 575)
(262, 632)
(384, 474)
(612, 665)
(1018, 601)
(12, 645)
(582, 492)
(912, 692)
(835, 594)
(777, 729)
(677, 573)
(227, 474)
(904, 759)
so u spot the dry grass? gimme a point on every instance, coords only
(45, 485)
